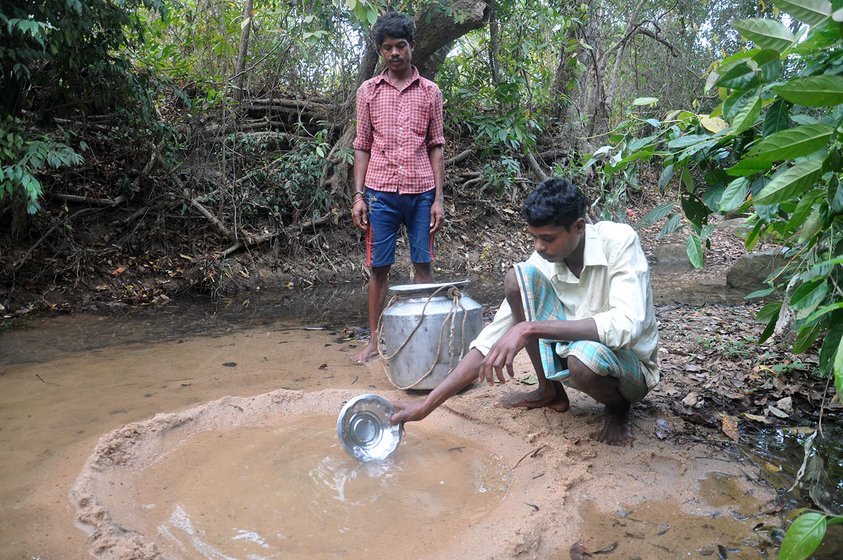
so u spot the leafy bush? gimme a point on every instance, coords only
(23, 156)
(772, 149)
(288, 187)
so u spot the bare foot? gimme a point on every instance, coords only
(369, 352)
(617, 429)
(553, 397)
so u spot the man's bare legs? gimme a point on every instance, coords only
(549, 393)
(617, 429)
(378, 288)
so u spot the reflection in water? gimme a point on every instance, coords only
(292, 492)
(780, 453)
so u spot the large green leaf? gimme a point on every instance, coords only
(655, 215)
(812, 12)
(792, 143)
(695, 210)
(766, 33)
(790, 183)
(809, 300)
(823, 311)
(803, 536)
(777, 117)
(693, 248)
(769, 65)
(830, 345)
(673, 224)
(811, 226)
(805, 290)
(687, 140)
(746, 115)
(801, 213)
(740, 76)
(814, 91)
(666, 176)
(734, 195)
(805, 338)
(737, 100)
(749, 167)
(835, 195)
(770, 313)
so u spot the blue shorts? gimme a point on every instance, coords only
(388, 211)
(542, 304)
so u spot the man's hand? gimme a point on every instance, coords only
(408, 412)
(358, 213)
(502, 355)
(437, 216)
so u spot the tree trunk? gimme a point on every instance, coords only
(436, 31)
(612, 88)
(240, 65)
(565, 70)
(494, 45)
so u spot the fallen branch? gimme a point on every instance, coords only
(25, 257)
(465, 154)
(90, 201)
(221, 228)
(251, 241)
(535, 167)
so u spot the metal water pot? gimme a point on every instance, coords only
(424, 331)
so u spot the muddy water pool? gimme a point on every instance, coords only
(67, 381)
(292, 492)
(288, 490)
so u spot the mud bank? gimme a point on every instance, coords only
(555, 477)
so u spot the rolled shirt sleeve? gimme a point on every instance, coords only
(364, 137)
(493, 331)
(436, 128)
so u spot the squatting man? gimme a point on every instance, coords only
(581, 306)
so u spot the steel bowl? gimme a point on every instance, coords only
(364, 430)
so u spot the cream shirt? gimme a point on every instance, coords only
(613, 289)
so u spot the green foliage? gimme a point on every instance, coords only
(807, 531)
(803, 536)
(64, 58)
(502, 176)
(69, 36)
(772, 148)
(23, 157)
(287, 189)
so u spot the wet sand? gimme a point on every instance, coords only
(64, 403)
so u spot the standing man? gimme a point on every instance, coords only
(581, 306)
(399, 165)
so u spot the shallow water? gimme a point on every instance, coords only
(780, 453)
(65, 381)
(290, 491)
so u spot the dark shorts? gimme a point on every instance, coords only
(387, 213)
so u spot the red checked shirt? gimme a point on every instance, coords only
(397, 128)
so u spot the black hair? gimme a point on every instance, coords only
(395, 25)
(555, 202)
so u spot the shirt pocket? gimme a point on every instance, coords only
(595, 296)
(419, 114)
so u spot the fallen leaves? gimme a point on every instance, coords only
(729, 426)
(713, 367)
